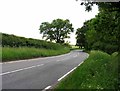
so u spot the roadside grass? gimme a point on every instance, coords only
(9, 53)
(99, 71)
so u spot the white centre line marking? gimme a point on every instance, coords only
(62, 59)
(20, 69)
(75, 56)
(57, 60)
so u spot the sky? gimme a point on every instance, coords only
(23, 17)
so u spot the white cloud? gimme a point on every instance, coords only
(23, 17)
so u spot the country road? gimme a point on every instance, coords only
(39, 73)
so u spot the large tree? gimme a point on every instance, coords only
(57, 30)
(103, 31)
(81, 32)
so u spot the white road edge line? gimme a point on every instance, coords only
(80, 63)
(17, 61)
(48, 87)
(20, 69)
(66, 74)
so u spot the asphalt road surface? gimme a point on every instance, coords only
(40, 73)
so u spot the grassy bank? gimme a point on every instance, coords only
(9, 53)
(99, 71)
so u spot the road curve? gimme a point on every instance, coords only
(39, 73)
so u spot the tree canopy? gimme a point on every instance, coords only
(103, 31)
(57, 30)
(107, 6)
(81, 32)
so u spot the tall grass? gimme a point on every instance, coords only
(9, 53)
(99, 71)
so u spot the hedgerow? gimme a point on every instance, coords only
(16, 41)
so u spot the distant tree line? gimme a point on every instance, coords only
(15, 41)
(103, 31)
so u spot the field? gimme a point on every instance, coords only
(17, 48)
(26, 52)
(99, 71)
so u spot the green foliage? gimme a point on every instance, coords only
(80, 37)
(15, 41)
(104, 35)
(57, 30)
(98, 72)
(15, 48)
(11, 53)
(103, 31)
(107, 6)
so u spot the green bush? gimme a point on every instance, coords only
(106, 47)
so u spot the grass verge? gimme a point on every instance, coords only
(9, 54)
(99, 71)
